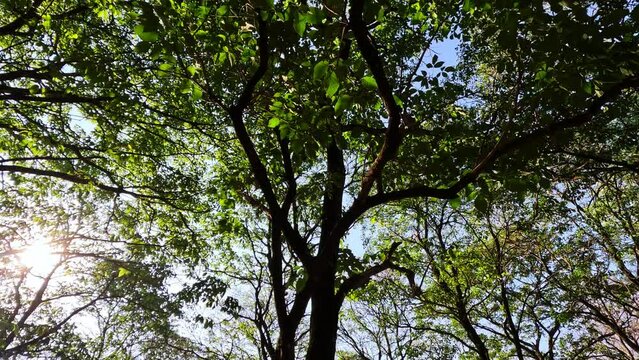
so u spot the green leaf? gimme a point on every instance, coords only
(319, 70)
(222, 10)
(300, 25)
(469, 6)
(481, 204)
(333, 84)
(34, 89)
(221, 57)
(123, 272)
(343, 103)
(192, 70)
(541, 74)
(186, 86)
(285, 131)
(196, 94)
(138, 29)
(314, 16)
(165, 67)
(274, 122)
(202, 34)
(148, 36)
(380, 14)
(46, 21)
(455, 203)
(398, 101)
(103, 14)
(369, 82)
(588, 87)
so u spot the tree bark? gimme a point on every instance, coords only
(285, 349)
(324, 319)
(472, 334)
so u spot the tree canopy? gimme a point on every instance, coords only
(317, 179)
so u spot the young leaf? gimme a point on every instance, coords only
(343, 103)
(274, 122)
(398, 101)
(333, 84)
(455, 203)
(300, 25)
(46, 21)
(196, 94)
(123, 272)
(222, 10)
(369, 82)
(319, 70)
(148, 36)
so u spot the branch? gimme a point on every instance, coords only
(506, 147)
(24, 346)
(503, 147)
(16, 24)
(77, 179)
(275, 268)
(33, 305)
(364, 128)
(359, 280)
(291, 192)
(36, 74)
(393, 136)
(298, 310)
(601, 159)
(236, 112)
(410, 276)
(255, 203)
(19, 94)
(332, 203)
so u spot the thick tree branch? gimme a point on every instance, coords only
(393, 137)
(332, 202)
(297, 244)
(30, 13)
(75, 179)
(298, 310)
(634, 166)
(275, 268)
(333, 196)
(505, 147)
(359, 280)
(19, 94)
(291, 192)
(36, 74)
(236, 113)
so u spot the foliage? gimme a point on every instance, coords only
(214, 165)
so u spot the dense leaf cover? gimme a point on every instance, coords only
(305, 179)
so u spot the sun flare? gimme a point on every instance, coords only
(39, 256)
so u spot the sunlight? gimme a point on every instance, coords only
(40, 256)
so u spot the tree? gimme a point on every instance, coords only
(379, 322)
(307, 116)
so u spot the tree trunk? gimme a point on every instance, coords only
(285, 349)
(324, 318)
